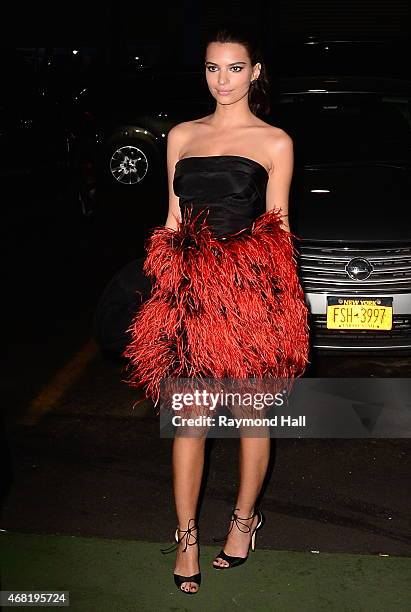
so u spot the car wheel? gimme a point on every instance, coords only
(124, 294)
(130, 163)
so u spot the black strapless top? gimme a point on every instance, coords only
(231, 187)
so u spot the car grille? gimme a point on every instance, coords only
(322, 269)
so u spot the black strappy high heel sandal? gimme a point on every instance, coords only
(236, 520)
(187, 534)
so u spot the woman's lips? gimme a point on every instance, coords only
(223, 93)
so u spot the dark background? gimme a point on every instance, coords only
(173, 32)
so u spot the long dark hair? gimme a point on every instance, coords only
(258, 94)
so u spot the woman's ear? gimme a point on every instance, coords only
(257, 71)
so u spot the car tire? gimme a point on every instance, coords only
(123, 295)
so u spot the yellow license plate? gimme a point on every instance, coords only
(359, 313)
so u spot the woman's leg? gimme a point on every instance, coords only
(188, 462)
(254, 456)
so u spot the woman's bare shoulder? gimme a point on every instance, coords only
(277, 135)
(275, 142)
(179, 129)
(272, 131)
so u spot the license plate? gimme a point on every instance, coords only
(359, 312)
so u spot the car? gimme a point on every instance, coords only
(349, 204)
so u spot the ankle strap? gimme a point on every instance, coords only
(237, 520)
(187, 535)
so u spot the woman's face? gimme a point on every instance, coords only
(229, 71)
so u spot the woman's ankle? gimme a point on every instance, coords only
(244, 512)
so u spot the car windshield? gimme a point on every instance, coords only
(338, 128)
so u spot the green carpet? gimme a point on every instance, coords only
(122, 575)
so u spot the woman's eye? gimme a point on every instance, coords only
(236, 68)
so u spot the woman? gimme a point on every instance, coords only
(226, 301)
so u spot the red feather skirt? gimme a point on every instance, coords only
(219, 308)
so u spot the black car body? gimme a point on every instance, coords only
(350, 198)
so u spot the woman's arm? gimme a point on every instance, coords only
(278, 187)
(174, 146)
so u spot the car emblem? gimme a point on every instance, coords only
(359, 268)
